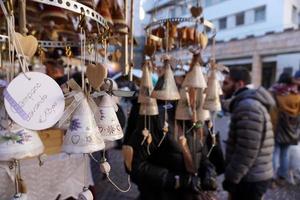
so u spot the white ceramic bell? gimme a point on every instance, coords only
(194, 78)
(86, 194)
(19, 196)
(83, 135)
(108, 124)
(18, 143)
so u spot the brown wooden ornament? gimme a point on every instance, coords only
(96, 74)
(196, 11)
(26, 44)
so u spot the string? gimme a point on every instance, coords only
(14, 41)
(85, 170)
(110, 180)
(16, 177)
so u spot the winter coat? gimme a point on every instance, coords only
(286, 115)
(250, 143)
(154, 168)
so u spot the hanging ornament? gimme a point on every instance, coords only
(83, 135)
(19, 196)
(196, 11)
(202, 114)
(212, 100)
(86, 194)
(26, 44)
(19, 143)
(96, 75)
(183, 108)
(108, 123)
(148, 105)
(168, 91)
(194, 78)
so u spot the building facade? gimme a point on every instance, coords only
(248, 20)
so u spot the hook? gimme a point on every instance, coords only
(82, 19)
(68, 51)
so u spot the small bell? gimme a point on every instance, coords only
(83, 135)
(202, 114)
(212, 100)
(86, 194)
(108, 124)
(168, 90)
(148, 105)
(183, 109)
(194, 78)
(19, 196)
(18, 143)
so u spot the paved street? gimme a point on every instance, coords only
(105, 191)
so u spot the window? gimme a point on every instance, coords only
(223, 23)
(208, 2)
(260, 14)
(295, 15)
(240, 19)
(173, 12)
(184, 10)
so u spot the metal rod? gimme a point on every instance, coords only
(126, 69)
(132, 39)
(22, 17)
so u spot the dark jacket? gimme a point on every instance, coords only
(250, 144)
(154, 173)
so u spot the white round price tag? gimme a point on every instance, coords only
(36, 103)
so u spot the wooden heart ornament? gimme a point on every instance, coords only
(196, 11)
(27, 44)
(96, 74)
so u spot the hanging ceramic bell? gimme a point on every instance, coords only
(183, 109)
(55, 14)
(83, 134)
(86, 194)
(108, 124)
(202, 115)
(194, 78)
(18, 143)
(19, 196)
(212, 100)
(168, 90)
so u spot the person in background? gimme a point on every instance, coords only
(250, 143)
(286, 121)
(55, 70)
(297, 79)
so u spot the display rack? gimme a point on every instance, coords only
(202, 21)
(48, 44)
(77, 8)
